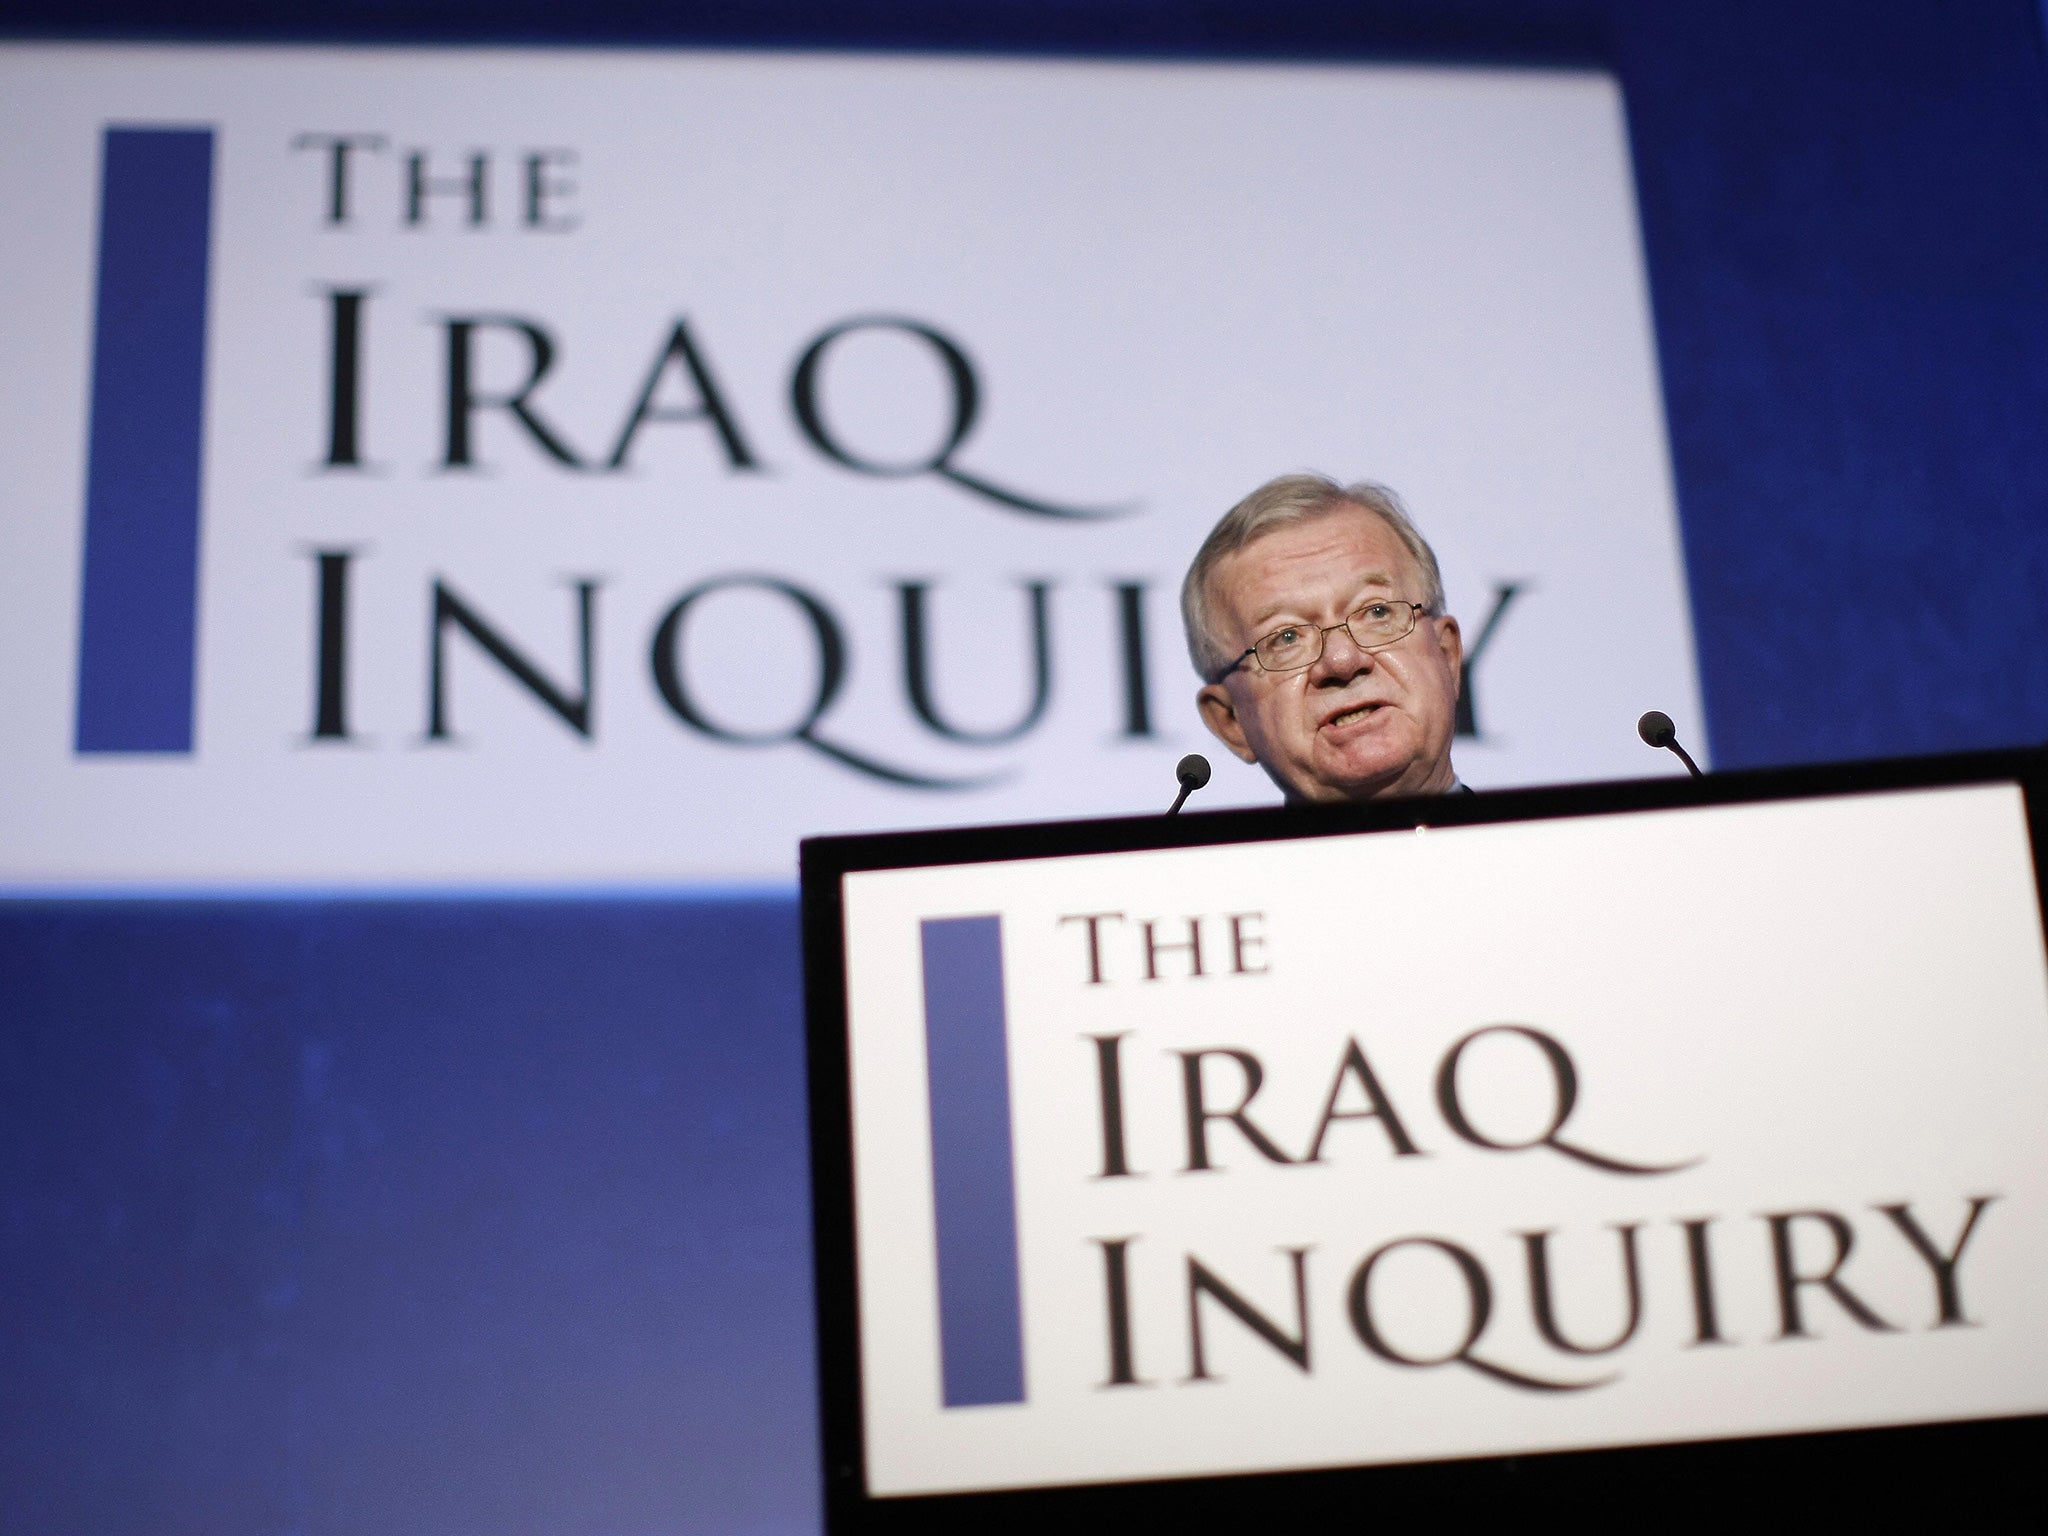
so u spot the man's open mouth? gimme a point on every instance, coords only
(1353, 715)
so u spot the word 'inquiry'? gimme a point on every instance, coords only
(1798, 1275)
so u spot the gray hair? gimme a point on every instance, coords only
(1276, 504)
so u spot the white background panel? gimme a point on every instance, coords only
(1173, 281)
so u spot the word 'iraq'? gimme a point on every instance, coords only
(1355, 1093)
(493, 365)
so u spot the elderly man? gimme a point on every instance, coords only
(1315, 616)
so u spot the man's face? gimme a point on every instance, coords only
(1357, 724)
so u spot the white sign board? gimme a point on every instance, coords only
(481, 466)
(1363, 1149)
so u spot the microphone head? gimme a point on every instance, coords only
(1656, 729)
(1192, 771)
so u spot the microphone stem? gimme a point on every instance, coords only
(1685, 757)
(1188, 789)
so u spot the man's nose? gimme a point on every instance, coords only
(1341, 660)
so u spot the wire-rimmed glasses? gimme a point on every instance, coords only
(1292, 647)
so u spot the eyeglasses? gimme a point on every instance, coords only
(1372, 628)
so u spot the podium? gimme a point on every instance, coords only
(1663, 1141)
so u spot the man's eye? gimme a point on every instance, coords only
(1286, 636)
(1377, 610)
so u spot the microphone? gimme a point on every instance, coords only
(1193, 773)
(1657, 730)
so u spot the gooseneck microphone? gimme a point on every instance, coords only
(1193, 773)
(1657, 730)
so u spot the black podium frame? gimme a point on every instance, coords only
(1979, 1471)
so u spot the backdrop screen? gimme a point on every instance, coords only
(457, 466)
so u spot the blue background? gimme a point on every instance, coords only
(405, 1216)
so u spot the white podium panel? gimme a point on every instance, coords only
(1705, 1121)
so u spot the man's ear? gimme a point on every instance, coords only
(1450, 641)
(1219, 713)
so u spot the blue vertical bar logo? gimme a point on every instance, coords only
(139, 606)
(981, 1322)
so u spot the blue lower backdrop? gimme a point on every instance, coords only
(404, 1217)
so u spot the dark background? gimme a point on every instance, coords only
(397, 1216)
